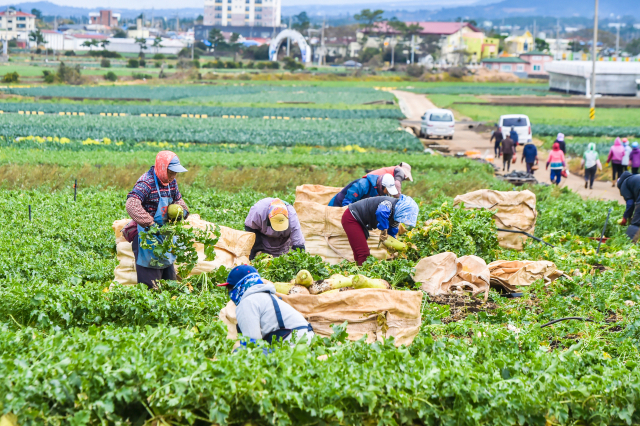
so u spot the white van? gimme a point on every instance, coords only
(437, 122)
(521, 125)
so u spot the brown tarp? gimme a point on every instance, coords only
(445, 273)
(317, 193)
(377, 313)
(324, 235)
(233, 248)
(511, 274)
(515, 210)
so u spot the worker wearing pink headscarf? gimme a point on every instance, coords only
(616, 155)
(147, 204)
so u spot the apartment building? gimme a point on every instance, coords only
(16, 25)
(239, 13)
(104, 17)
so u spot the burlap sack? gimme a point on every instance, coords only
(511, 274)
(516, 210)
(445, 273)
(379, 314)
(233, 248)
(317, 193)
(324, 235)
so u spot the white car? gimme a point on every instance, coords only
(520, 124)
(437, 122)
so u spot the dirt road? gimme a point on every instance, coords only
(414, 105)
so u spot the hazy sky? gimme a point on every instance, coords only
(171, 4)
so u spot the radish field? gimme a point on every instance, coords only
(77, 349)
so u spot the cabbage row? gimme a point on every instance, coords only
(594, 131)
(379, 134)
(211, 111)
(213, 93)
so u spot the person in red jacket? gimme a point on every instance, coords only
(400, 173)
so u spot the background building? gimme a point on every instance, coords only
(238, 13)
(612, 78)
(104, 17)
(16, 25)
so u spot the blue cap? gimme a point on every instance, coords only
(634, 145)
(237, 274)
(175, 165)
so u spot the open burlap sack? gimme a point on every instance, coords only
(316, 193)
(511, 274)
(324, 235)
(376, 313)
(445, 273)
(515, 210)
(233, 248)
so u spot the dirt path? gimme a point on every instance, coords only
(414, 105)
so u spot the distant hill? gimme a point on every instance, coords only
(51, 9)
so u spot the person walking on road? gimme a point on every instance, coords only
(530, 155)
(508, 150)
(561, 143)
(627, 152)
(591, 164)
(616, 154)
(634, 158)
(557, 163)
(497, 136)
(514, 137)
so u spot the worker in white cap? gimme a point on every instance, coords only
(400, 173)
(366, 187)
(276, 226)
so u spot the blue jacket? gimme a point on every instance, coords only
(514, 136)
(530, 153)
(359, 189)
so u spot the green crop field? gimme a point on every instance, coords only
(76, 348)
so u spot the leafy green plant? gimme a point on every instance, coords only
(178, 240)
(457, 230)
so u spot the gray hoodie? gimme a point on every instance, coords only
(257, 316)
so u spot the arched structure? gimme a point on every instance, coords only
(295, 37)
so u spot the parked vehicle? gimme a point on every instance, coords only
(520, 123)
(437, 123)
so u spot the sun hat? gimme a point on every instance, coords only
(406, 168)
(390, 183)
(279, 215)
(560, 137)
(175, 166)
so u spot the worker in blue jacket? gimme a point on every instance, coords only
(366, 187)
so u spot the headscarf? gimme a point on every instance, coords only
(556, 146)
(406, 211)
(162, 163)
(560, 137)
(590, 156)
(617, 147)
(249, 277)
(634, 145)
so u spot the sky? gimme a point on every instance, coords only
(171, 4)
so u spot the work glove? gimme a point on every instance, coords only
(383, 236)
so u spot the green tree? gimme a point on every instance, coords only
(216, 38)
(291, 64)
(301, 22)
(368, 18)
(104, 43)
(119, 33)
(37, 37)
(633, 47)
(541, 45)
(37, 13)
(157, 43)
(142, 42)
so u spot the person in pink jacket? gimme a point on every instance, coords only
(557, 163)
(616, 154)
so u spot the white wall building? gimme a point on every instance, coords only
(16, 25)
(249, 13)
(612, 78)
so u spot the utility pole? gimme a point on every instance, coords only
(393, 53)
(558, 55)
(321, 56)
(289, 39)
(534, 34)
(413, 37)
(618, 38)
(592, 109)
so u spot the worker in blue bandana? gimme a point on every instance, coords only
(383, 213)
(260, 314)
